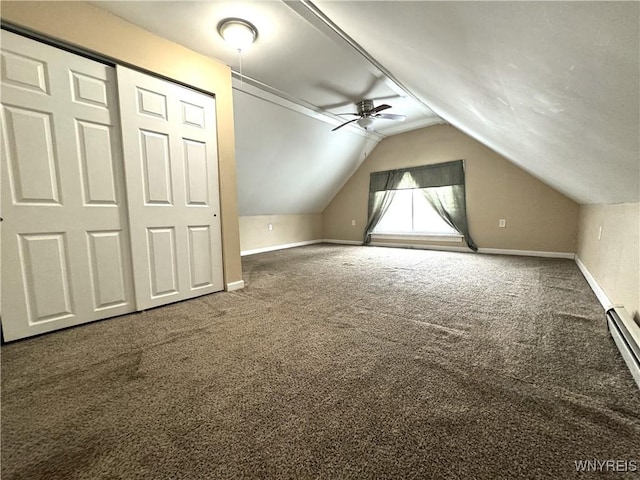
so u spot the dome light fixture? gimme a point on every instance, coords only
(366, 123)
(237, 32)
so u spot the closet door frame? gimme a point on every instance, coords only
(216, 284)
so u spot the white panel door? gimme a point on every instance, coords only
(170, 149)
(65, 241)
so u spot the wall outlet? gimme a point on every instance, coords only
(270, 227)
(502, 223)
(353, 223)
(600, 233)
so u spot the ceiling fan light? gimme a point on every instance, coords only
(238, 33)
(366, 123)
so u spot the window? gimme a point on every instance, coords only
(411, 213)
(419, 202)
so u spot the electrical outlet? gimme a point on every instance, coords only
(270, 227)
(502, 223)
(353, 223)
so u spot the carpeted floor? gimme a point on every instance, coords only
(335, 363)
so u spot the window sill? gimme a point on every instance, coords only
(421, 237)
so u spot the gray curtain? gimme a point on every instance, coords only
(382, 189)
(450, 203)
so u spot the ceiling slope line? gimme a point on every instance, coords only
(270, 94)
(310, 12)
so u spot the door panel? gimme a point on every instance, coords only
(163, 261)
(195, 164)
(46, 282)
(23, 72)
(33, 174)
(157, 178)
(169, 140)
(96, 163)
(89, 90)
(192, 115)
(200, 257)
(150, 103)
(65, 250)
(107, 269)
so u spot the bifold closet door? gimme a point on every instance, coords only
(170, 150)
(65, 245)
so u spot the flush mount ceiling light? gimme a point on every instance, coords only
(237, 32)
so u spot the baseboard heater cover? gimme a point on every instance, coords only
(626, 334)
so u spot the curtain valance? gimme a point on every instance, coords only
(426, 176)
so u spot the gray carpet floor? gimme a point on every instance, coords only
(335, 363)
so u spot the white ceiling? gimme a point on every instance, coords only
(552, 86)
(291, 56)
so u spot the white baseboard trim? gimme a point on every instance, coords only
(341, 242)
(489, 251)
(238, 285)
(597, 289)
(451, 248)
(278, 247)
(527, 253)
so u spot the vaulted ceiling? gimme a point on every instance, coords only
(552, 86)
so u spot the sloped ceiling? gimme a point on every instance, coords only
(289, 162)
(552, 86)
(296, 81)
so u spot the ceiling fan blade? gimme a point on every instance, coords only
(356, 114)
(379, 108)
(392, 116)
(354, 99)
(345, 123)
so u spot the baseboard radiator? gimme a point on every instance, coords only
(626, 333)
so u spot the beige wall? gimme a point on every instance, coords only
(287, 229)
(91, 28)
(538, 217)
(614, 260)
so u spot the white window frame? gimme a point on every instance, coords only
(416, 236)
(419, 237)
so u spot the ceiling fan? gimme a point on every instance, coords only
(367, 114)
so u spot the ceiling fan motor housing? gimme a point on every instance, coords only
(364, 107)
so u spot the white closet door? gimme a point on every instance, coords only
(170, 150)
(65, 244)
